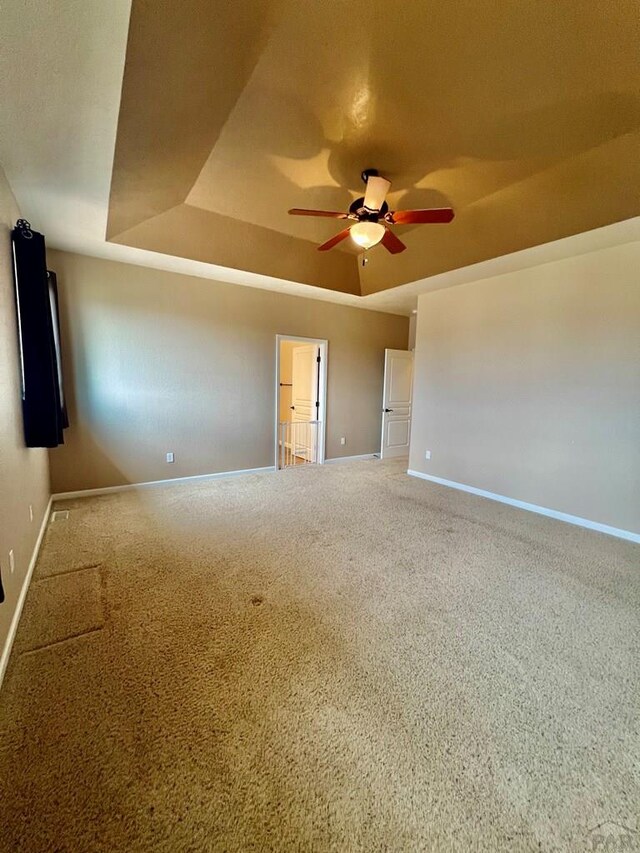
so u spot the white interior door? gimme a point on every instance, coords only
(304, 396)
(396, 403)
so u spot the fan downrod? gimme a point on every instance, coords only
(369, 173)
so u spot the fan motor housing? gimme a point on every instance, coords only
(358, 209)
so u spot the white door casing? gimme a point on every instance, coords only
(396, 403)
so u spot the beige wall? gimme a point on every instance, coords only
(24, 477)
(528, 385)
(156, 361)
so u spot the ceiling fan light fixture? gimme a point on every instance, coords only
(370, 212)
(367, 234)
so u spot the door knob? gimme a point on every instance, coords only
(388, 410)
(292, 407)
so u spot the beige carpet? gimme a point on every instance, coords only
(324, 659)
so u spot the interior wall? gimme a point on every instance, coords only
(157, 361)
(24, 474)
(528, 385)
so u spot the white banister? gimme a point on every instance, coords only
(298, 443)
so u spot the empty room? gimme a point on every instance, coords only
(319, 426)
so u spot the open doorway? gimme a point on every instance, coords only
(301, 392)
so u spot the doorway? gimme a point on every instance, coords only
(396, 403)
(301, 391)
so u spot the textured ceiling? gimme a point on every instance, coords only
(524, 117)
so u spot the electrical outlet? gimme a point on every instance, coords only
(427, 454)
(12, 561)
(30, 512)
(343, 440)
(170, 457)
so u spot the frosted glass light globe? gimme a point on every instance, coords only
(367, 234)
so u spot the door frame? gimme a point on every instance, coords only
(323, 344)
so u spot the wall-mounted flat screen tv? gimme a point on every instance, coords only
(43, 403)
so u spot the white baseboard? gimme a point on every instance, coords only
(350, 458)
(541, 510)
(107, 490)
(17, 613)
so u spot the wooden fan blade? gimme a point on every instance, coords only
(335, 240)
(375, 194)
(392, 243)
(299, 211)
(433, 215)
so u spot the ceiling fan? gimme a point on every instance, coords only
(372, 217)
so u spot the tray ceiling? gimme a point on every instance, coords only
(524, 118)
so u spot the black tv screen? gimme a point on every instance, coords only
(43, 404)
